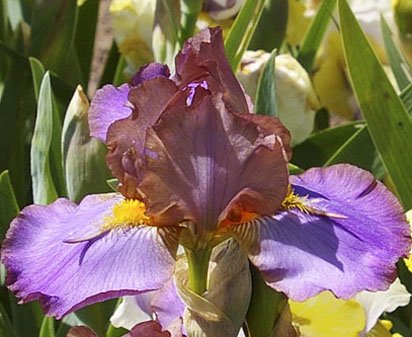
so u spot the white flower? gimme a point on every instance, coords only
(132, 22)
(375, 304)
(295, 97)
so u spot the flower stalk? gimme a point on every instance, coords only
(198, 262)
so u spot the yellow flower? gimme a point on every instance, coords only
(298, 22)
(325, 316)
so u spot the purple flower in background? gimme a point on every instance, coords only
(190, 157)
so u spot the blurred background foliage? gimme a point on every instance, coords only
(339, 80)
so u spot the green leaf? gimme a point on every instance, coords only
(37, 73)
(271, 28)
(242, 31)
(322, 120)
(5, 29)
(27, 318)
(44, 190)
(16, 119)
(8, 203)
(406, 97)
(400, 67)
(388, 121)
(118, 77)
(266, 89)
(265, 307)
(113, 183)
(85, 36)
(53, 29)
(190, 10)
(13, 54)
(360, 151)
(321, 146)
(47, 327)
(83, 156)
(6, 328)
(111, 67)
(97, 316)
(293, 169)
(115, 332)
(315, 33)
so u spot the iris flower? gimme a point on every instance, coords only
(195, 167)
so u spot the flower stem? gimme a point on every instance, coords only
(198, 261)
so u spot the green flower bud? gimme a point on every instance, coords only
(83, 157)
(221, 310)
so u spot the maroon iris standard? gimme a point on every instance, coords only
(195, 167)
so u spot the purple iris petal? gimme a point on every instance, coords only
(167, 305)
(164, 305)
(126, 137)
(108, 105)
(66, 276)
(150, 71)
(111, 103)
(353, 248)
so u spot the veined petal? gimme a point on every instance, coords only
(167, 305)
(205, 164)
(203, 58)
(108, 105)
(111, 103)
(163, 304)
(149, 71)
(63, 255)
(126, 137)
(347, 238)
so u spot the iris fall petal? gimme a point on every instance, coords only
(350, 243)
(59, 255)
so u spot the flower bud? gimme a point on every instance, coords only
(221, 310)
(132, 22)
(83, 157)
(295, 97)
